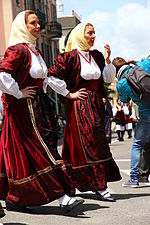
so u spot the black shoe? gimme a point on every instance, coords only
(2, 213)
(104, 198)
(10, 206)
(69, 207)
(121, 139)
(143, 179)
(129, 137)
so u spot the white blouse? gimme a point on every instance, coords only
(39, 70)
(89, 71)
(125, 109)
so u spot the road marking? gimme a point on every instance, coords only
(122, 160)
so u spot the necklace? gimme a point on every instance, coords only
(85, 57)
(37, 54)
(41, 64)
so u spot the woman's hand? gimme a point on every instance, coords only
(80, 94)
(28, 92)
(107, 53)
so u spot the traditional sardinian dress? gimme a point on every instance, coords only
(31, 170)
(85, 149)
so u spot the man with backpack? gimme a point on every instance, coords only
(142, 129)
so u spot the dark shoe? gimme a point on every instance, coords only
(129, 137)
(121, 139)
(69, 207)
(104, 198)
(10, 206)
(2, 213)
(143, 179)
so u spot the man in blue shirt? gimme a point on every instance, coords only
(142, 129)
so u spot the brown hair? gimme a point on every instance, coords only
(27, 13)
(118, 62)
(89, 25)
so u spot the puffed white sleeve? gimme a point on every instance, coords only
(109, 73)
(114, 111)
(9, 86)
(59, 86)
(133, 116)
(126, 110)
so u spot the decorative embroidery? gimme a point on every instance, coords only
(39, 173)
(3, 175)
(38, 134)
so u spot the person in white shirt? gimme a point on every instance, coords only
(79, 75)
(119, 113)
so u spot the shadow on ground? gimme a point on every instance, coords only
(116, 196)
(14, 224)
(78, 212)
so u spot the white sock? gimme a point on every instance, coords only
(105, 192)
(65, 199)
(149, 178)
(77, 191)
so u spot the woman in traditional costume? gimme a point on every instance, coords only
(79, 75)
(32, 172)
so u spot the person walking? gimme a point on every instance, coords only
(142, 131)
(79, 75)
(32, 172)
(119, 112)
(129, 119)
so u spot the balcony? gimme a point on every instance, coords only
(54, 29)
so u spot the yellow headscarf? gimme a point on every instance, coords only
(19, 32)
(76, 39)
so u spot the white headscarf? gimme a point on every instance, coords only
(76, 39)
(19, 32)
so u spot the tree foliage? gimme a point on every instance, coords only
(109, 91)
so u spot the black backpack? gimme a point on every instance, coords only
(139, 81)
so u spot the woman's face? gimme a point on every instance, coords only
(89, 35)
(33, 25)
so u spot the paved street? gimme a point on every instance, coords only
(132, 205)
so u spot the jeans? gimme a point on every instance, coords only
(145, 160)
(141, 135)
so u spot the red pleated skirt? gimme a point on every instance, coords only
(31, 170)
(86, 152)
